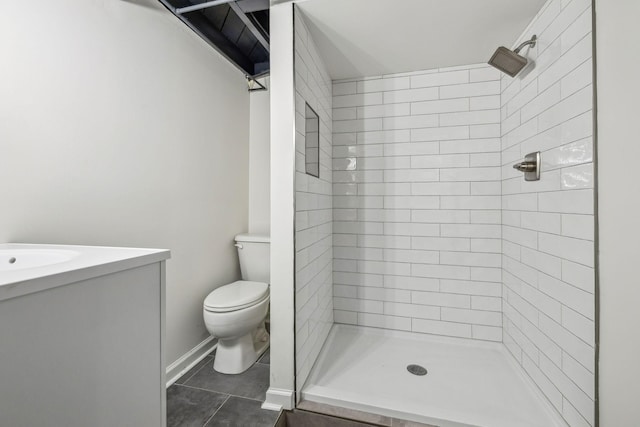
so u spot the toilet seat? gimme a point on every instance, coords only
(236, 296)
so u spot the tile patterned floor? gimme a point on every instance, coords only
(204, 397)
(308, 419)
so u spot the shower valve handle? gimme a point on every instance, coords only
(525, 166)
(530, 166)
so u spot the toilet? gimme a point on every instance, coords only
(235, 313)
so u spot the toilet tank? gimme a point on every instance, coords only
(253, 252)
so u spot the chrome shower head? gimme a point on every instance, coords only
(508, 61)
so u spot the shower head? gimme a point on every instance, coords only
(508, 61)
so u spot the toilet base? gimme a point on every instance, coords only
(236, 355)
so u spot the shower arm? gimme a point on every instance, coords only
(531, 42)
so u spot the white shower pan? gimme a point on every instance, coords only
(468, 383)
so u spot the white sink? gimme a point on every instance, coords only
(19, 258)
(27, 268)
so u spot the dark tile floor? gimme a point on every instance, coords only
(204, 397)
(309, 419)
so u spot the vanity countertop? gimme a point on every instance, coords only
(27, 268)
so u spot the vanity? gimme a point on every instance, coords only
(82, 333)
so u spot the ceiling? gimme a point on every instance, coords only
(374, 37)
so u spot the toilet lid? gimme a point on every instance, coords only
(238, 294)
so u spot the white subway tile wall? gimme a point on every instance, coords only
(416, 193)
(314, 247)
(548, 297)
(433, 230)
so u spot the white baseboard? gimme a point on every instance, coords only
(278, 399)
(190, 359)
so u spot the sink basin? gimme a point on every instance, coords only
(18, 259)
(31, 267)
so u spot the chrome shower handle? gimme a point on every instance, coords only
(525, 166)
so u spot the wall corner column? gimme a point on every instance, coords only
(282, 377)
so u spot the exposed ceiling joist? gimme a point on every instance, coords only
(238, 29)
(249, 6)
(250, 25)
(200, 6)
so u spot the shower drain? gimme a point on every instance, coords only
(417, 370)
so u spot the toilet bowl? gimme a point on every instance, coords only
(235, 313)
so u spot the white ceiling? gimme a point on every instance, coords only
(374, 37)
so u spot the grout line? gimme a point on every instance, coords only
(216, 411)
(563, 352)
(540, 312)
(192, 375)
(541, 131)
(219, 392)
(203, 389)
(538, 93)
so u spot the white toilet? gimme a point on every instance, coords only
(235, 313)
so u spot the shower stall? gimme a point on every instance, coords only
(432, 282)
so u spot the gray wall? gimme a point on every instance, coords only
(259, 161)
(121, 127)
(618, 207)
